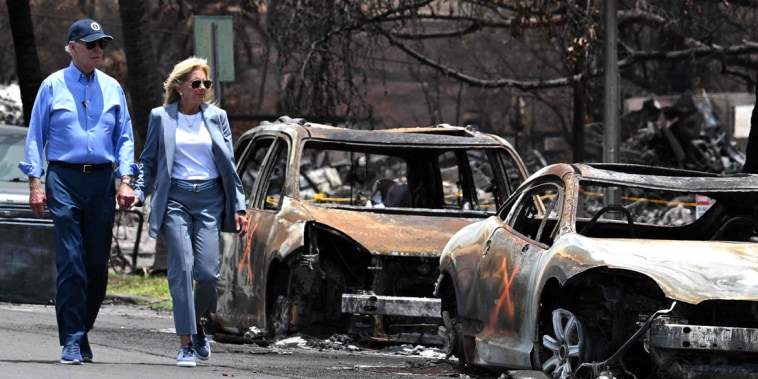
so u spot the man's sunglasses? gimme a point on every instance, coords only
(206, 83)
(91, 45)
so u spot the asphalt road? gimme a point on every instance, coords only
(134, 342)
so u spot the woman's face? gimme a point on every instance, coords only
(193, 97)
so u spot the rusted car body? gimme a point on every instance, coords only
(614, 271)
(27, 243)
(346, 226)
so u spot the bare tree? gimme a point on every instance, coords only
(144, 79)
(329, 48)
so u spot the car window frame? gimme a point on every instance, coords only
(279, 149)
(511, 212)
(245, 153)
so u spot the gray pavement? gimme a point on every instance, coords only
(28, 337)
(134, 342)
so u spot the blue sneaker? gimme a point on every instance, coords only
(71, 355)
(200, 344)
(85, 349)
(186, 357)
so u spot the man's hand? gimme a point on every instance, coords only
(37, 198)
(125, 195)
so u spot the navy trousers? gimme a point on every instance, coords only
(82, 206)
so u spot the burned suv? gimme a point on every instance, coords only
(347, 226)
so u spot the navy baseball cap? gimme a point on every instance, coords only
(86, 30)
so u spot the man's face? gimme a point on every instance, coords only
(87, 56)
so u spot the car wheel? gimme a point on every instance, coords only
(451, 329)
(451, 332)
(279, 318)
(562, 348)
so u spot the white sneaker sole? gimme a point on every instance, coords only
(74, 362)
(186, 364)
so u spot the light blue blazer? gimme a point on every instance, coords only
(157, 160)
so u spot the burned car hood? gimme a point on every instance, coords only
(391, 232)
(689, 271)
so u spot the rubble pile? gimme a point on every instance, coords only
(685, 135)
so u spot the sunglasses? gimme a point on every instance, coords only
(206, 83)
(91, 45)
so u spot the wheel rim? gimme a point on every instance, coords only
(564, 345)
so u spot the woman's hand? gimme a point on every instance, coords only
(240, 218)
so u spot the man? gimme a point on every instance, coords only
(81, 123)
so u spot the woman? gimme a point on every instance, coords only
(188, 166)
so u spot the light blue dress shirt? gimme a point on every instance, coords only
(79, 121)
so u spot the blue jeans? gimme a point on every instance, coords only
(82, 206)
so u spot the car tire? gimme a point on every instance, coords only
(279, 319)
(451, 332)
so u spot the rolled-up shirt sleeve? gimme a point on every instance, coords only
(36, 137)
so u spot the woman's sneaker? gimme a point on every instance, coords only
(186, 357)
(200, 344)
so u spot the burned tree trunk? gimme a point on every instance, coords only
(751, 151)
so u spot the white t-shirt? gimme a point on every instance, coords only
(193, 159)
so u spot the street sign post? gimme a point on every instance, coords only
(213, 37)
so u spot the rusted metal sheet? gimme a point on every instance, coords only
(416, 235)
(698, 337)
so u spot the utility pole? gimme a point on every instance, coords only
(611, 125)
(612, 91)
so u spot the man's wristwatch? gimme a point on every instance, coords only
(130, 182)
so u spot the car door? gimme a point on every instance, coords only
(506, 269)
(239, 263)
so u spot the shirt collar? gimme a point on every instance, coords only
(73, 73)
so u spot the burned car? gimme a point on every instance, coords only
(347, 226)
(615, 271)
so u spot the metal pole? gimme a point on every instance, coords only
(612, 93)
(214, 63)
(611, 125)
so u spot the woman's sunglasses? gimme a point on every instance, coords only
(206, 83)
(91, 45)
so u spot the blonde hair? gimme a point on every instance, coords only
(180, 74)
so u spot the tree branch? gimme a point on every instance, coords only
(633, 57)
(638, 56)
(477, 82)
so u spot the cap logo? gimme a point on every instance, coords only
(95, 26)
